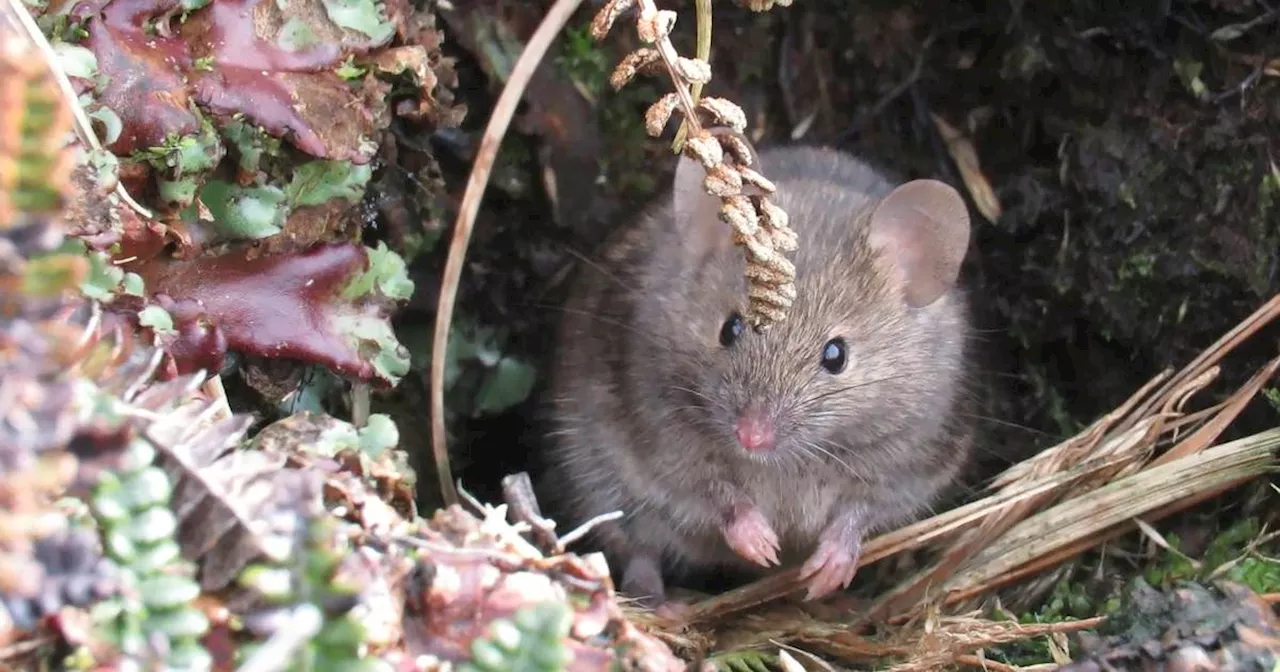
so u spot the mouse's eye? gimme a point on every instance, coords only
(835, 355)
(731, 330)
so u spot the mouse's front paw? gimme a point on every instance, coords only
(835, 562)
(751, 536)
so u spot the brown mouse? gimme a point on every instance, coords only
(727, 447)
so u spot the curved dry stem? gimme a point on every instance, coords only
(503, 111)
(704, 54)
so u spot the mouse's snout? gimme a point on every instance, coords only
(755, 430)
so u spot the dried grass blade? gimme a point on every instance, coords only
(1121, 415)
(938, 644)
(1214, 353)
(1114, 456)
(1083, 518)
(1210, 431)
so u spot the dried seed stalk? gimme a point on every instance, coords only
(759, 226)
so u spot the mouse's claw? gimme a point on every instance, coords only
(751, 536)
(835, 562)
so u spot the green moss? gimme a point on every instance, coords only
(744, 660)
(622, 121)
(1141, 264)
(583, 61)
(181, 162)
(1228, 556)
(1272, 395)
(1070, 600)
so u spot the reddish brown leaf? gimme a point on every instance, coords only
(285, 305)
(144, 85)
(317, 112)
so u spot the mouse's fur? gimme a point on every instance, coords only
(645, 396)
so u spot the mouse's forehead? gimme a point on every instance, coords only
(798, 327)
(836, 292)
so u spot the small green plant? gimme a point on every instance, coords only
(744, 660)
(582, 60)
(156, 606)
(308, 605)
(1228, 556)
(531, 641)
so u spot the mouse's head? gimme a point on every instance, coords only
(873, 345)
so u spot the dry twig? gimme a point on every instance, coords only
(503, 111)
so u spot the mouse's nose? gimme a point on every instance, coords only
(755, 431)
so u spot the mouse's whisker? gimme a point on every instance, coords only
(803, 456)
(651, 337)
(693, 392)
(808, 401)
(599, 268)
(1013, 425)
(816, 446)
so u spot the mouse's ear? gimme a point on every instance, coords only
(922, 227)
(697, 211)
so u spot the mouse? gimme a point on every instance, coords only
(736, 449)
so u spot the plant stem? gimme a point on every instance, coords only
(704, 53)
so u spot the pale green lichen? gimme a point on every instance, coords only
(364, 16)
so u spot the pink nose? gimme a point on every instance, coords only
(755, 432)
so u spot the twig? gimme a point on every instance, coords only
(517, 492)
(582, 530)
(503, 111)
(996, 666)
(15, 650)
(469, 498)
(704, 54)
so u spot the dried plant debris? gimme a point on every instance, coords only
(715, 126)
(965, 155)
(1212, 628)
(473, 571)
(68, 570)
(368, 456)
(222, 495)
